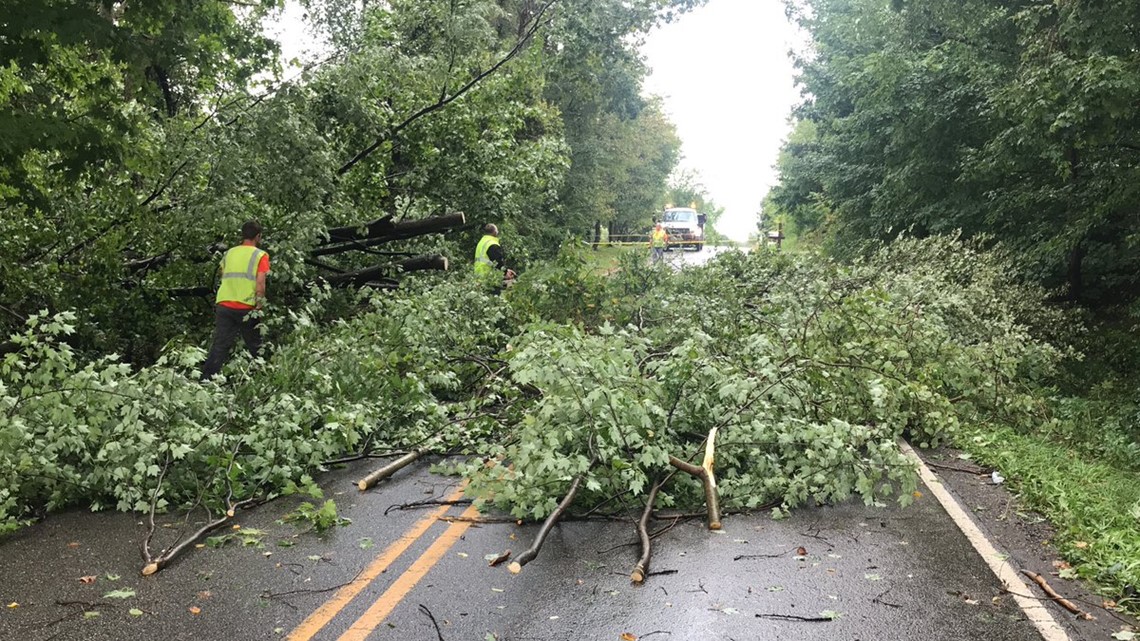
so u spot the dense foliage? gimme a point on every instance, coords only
(138, 137)
(1012, 120)
(810, 371)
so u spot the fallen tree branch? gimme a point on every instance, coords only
(154, 565)
(390, 469)
(1065, 603)
(529, 555)
(954, 468)
(382, 231)
(642, 567)
(429, 502)
(383, 273)
(704, 472)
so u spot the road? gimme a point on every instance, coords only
(684, 258)
(845, 572)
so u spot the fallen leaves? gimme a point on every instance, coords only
(119, 594)
(1080, 545)
(87, 580)
(626, 636)
(195, 610)
(13, 605)
(135, 612)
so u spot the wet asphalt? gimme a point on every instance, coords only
(863, 573)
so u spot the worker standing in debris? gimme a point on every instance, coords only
(241, 296)
(489, 258)
(658, 241)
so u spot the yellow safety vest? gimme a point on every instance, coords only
(483, 264)
(239, 275)
(658, 238)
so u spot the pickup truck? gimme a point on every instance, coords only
(686, 227)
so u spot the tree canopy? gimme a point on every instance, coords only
(1008, 120)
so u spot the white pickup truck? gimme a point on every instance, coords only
(686, 227)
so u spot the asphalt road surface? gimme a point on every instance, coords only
(847, 572)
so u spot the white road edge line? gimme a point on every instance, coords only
(1034, 610)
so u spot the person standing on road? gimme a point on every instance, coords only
(489, 261)
(658, 241)
(240, 295)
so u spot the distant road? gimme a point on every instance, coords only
(684, 258)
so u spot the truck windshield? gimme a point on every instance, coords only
(681, 216)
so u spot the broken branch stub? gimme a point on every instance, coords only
(705, 473)
(526, 557)
(389, 469)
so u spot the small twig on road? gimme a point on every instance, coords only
(662, 573)
(794, 617)
(414, 505)
(438, 633)
(700, 587)
(744, 557)
(880, 601)
(649, 634)
(954, 468)
(477, 519)
(1065, 603)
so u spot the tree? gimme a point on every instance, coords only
(985, 116)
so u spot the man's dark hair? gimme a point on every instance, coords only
(250, 229)
(491, 230)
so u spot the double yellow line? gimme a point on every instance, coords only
(386, 602)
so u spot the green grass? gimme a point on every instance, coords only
(1095, 506)
(605, 259)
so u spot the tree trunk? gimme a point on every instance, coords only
(344, 239)
(597, 234)
(382, 273)
(1075, 276)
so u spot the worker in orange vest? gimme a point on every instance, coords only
(240, 295)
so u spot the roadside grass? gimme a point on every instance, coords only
(1094, 505)
(606, 258)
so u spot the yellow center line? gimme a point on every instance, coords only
(408, 580)
(317, 620)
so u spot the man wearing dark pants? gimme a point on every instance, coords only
(241, 293)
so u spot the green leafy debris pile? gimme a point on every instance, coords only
(809, 371)
(104, 435)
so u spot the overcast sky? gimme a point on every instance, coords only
(727, 81)
(724, 73)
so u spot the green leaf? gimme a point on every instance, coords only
(125, 593)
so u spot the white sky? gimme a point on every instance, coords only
(727, 82)
(724, 73)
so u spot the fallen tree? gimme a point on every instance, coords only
(794, 376)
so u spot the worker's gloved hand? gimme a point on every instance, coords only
(510, 274)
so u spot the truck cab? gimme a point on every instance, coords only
(686, 227)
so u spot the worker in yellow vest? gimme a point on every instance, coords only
(241, 293)
(658, 241)
(489, 262)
